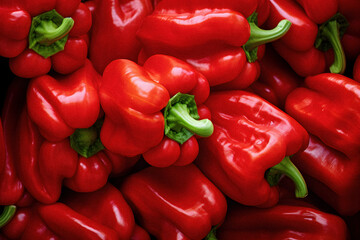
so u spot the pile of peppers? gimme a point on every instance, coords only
(180, 120)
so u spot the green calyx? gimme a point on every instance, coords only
(86, 141)
(260, 36)
(329, 36)
(212, 234)
(49, 33)
(181, 119)
(287, 168)
(7, 214)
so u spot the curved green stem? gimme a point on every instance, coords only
(86, 141)
(181, 119)
(287, 168)
(49, 33)
(260, 36)
(7, 214)
(331, 32)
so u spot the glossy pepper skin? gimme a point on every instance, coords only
(327, 107)
(250, 136)
(351, 38)
(11, 188)
(174, 202)
(58, 137)
(113, 33)
(225, 48)
(103, 214)
(330, 175)
(37, 39)
(356, 69)
(306, 45)
(283, 221)
(133, 97)
(276, 79)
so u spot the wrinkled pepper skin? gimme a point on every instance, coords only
(250, 136)
(327, 107)
(276, 79)
(103, 214)
(299, 47)
(60, 104)
(283, 221)
(174, 202)
(132, 97)
(221, 50)
(113, 33)
(11, 188)
(330, 175)
(57, 109)
(16, 38)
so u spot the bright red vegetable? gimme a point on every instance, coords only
(283, 221)
(113, 33)
(103, 214)
(327, 107)
(247, 153)
(41, 35)
(216, 38)
(356, 69)
(330, 175)
(174, 202)
(304, 45)
(133, 97)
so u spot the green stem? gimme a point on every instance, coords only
(86, 141)
(287, 168)
(181, 119)
(331, 32)
(179, 115)
(7, 214)
(49, 32)
(260, 36)
(211, 235)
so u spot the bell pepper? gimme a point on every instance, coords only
(174, 202)
(40, 35)
(113, 33)
(224, 48)
(58, 136)
(103, 214)
(351, 38)
(283, 221)
(11, 188)
(250, 148)
(356, 69)
(330, 175)
(133, 97)
(139, 234)
(276, 79)
(317, 27)
(327, 107)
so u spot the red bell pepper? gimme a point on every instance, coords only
(133, 97)
(11, 188)
(276, 79)
(174, 202)
(283, 221)
(351, 38)
(58, 135)
(304, 45)
(139, 234)
(220, 48)
(327, 107)
(251, 139)
(40, 35)
(356, 69)
(113, 33)
(103, 214)
(330, 175)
